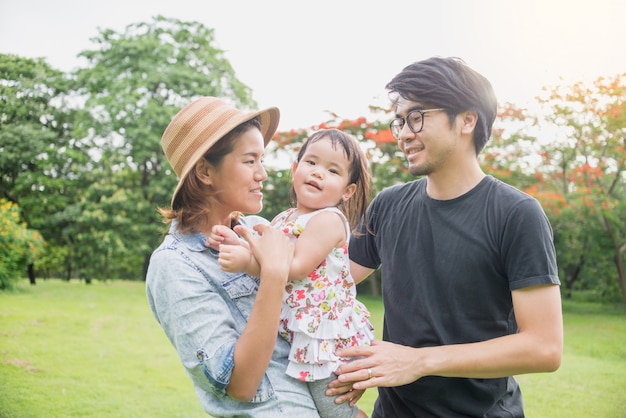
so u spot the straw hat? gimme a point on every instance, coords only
(199, 125)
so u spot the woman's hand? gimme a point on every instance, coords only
(272, 250)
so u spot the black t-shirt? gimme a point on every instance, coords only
(448, 269)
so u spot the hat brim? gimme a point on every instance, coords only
(269, 119)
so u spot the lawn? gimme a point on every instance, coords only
(76, 350)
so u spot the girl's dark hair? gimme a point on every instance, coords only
(451, 84)
(194, 199)
(354, 208)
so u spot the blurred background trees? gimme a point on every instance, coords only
(82, 170)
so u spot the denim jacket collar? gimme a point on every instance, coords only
(194, 241)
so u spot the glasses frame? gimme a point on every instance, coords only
(405, 121)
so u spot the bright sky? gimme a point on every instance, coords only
(312, 57)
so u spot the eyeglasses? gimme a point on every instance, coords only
(415, 120)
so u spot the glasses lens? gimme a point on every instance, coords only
(396, 127)
(414, 119)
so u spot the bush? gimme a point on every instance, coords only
(19, 246)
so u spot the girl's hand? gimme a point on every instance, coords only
(221, 234)
(234, 258)
(345, 391)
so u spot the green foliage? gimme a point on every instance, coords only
(52, 261)
(37, 151)
(276, 193)
(19, 246)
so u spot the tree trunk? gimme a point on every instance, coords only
(621, 270)
(146, 263)
(31, 274)
(572, 277)
(105, 267)
(618, 250)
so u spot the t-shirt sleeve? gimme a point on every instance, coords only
(528, 247)
(363, 249)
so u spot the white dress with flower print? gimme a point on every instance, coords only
(320, 313)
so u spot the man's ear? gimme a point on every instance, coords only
(204, 172)
(470, 118)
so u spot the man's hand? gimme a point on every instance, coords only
(380, 364)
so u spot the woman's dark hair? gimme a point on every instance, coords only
(451, 84)
(354, 208)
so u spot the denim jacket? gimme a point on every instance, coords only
(203, 311)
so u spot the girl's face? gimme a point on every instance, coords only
(320, 178)
(238, 180)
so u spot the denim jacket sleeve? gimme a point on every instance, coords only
(202, 310)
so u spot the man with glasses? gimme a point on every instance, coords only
(469, 275)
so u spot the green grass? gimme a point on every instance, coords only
(591, 381)
(73, 350)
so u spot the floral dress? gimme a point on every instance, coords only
(320, 313)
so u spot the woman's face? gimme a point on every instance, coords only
(238, 180)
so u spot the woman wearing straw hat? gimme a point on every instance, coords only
(224, 326)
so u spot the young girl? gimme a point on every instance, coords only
(320, 313)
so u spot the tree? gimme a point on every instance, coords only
(39, 156)
(585, 161)
(133, 84)
(19, 246)
(510, 154)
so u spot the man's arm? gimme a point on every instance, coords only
(358, 272)
(537, 347)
